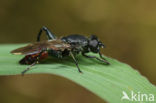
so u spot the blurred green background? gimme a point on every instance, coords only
(127, 28)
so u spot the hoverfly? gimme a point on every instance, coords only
(70, 45)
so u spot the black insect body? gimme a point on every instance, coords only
(66, 46)
(85, 45)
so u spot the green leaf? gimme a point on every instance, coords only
(106, 81)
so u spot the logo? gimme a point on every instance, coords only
(137, 96)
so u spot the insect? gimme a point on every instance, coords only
(70, 45)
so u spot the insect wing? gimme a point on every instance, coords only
(33, 48)
(58, 45)
(37, 47)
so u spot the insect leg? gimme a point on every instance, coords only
(23, 72)
(34, 63)
(75, 61)
(48, 33)
(101, 60)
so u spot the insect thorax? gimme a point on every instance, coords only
(58, 53)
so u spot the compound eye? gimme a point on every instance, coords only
(93, 43)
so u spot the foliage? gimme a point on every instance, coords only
(106, 81)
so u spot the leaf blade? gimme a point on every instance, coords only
(106, 81)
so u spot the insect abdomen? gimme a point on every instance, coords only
(29, 59)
